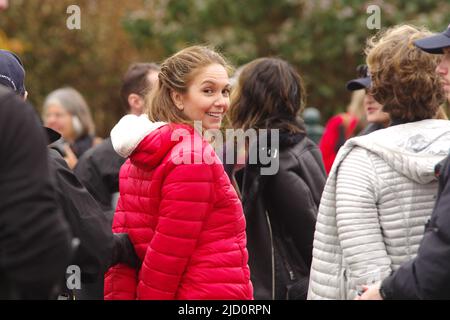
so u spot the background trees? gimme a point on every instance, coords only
(324, 39)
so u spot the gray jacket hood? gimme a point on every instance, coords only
(412, 149)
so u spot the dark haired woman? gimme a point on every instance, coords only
(280, 207)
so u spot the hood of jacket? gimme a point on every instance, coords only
(146, 143)
(412, 149)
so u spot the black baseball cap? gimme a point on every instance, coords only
(363, 82)
(12, 73)
(436, 43)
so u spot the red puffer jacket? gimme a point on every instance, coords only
(182, 215)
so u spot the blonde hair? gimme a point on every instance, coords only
(356, 106)
(176, 75)
(404, 79)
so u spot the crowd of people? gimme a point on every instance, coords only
(158, 211)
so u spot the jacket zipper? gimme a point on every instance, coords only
(289, 269)
(273, 256)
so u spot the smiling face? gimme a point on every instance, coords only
(207, 97)
(443, 70)
(374, 111)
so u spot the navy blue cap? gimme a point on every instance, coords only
(12, 73)
(363, 82)
(436, 43)
(359, 83)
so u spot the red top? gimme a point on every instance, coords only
(185, 221)
(330, 139)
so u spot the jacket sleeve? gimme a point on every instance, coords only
(98, 170)
(427, 276)
(364, 253)
(35, 245)
(88, 222)
(186, 200)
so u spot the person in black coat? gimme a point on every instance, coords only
(98, 169)
(427, 276)
(35, 240)
(98, 248)
(88, 223)
(282, 180)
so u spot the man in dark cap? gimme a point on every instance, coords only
(98, 248)
(427, 276)
(12, 73)
(34, 237)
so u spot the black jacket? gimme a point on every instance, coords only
(82, 144)
(98, 170)
(281, 211)
(87, 221)
(427, 276)
(99, 248)
(35, 240)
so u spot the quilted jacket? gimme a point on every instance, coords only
(182, 216)
(380, 193)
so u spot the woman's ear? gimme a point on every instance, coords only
(177, 99)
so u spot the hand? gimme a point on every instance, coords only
(70, 157)
(123, 251)
(370, 293)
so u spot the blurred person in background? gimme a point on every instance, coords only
(280, 208)
(342, 127)
(66, 111)
(375, 116)
(98, 168)
(382, 188)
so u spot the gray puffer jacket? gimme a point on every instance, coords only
(380, 192)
